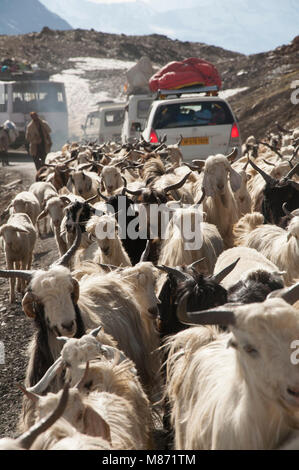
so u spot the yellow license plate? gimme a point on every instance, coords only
(195, 141)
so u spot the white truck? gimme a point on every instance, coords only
(105, 123)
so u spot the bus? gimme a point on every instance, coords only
(28, 91)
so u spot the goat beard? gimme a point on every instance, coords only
(224, 200)
(42, 357)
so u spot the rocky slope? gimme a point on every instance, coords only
(269, 76)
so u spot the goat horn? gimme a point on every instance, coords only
(92, 198)
(177, 185)
(47, 378)
(102, 195)
(109, 266)
(199, 163)
(268, 163)
(95, 331)
(225, 272)
(232, 155)
(192, 266)
(175, 272)
(145, 253)
(125, 185)
(92, 162)
(292, 172)
(289, 294)
(21, 274)
(201, 197)
(267, 178)
(65, 259)
(286, 211)
(192, 167)
(134, 193)
(204, 317)
(26, 440)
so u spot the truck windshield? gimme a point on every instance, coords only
(45, 97)
(192, 114)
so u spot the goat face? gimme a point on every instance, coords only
(78, 212)
(215, 180)
(79, 414)
(55, 208)
(263, 336)
(82, 183)
(57, 292)
(112, 178)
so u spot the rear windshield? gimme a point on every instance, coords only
(206, 113)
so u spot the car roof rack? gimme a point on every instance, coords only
(180, 91)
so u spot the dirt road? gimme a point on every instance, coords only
(16, 330)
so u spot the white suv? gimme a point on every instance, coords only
(206, 124)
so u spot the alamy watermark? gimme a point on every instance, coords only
(151, 221)
(295, 354)
(295, 93)
(2, 353)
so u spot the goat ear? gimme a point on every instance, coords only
(206, 185)
(76, 290)
(42, 214)
(235, 180)
(27, 304)
(2, 229)
(69, 183)
(95, 425)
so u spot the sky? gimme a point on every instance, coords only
(160, 5)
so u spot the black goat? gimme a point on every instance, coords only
(123, 208)
(276, 193)
(255, 287)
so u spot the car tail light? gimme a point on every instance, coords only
(153, 137)
(234, 132)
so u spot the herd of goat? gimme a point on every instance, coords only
(135, 335)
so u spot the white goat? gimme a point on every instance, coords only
(84, 183)
(110, 249)
(180, 248)
(26, 203)
(240, 397)
(19, 235)
(278, 245)
(219, 203)
(43, 191)
(111, 177)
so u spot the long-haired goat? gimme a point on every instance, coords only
(219, 203)
(278, 245)
(179, 248)
(240, 397)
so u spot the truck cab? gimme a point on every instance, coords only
(105, 123)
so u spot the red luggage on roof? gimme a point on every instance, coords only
(189, 72)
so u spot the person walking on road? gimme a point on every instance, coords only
(38, 135)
